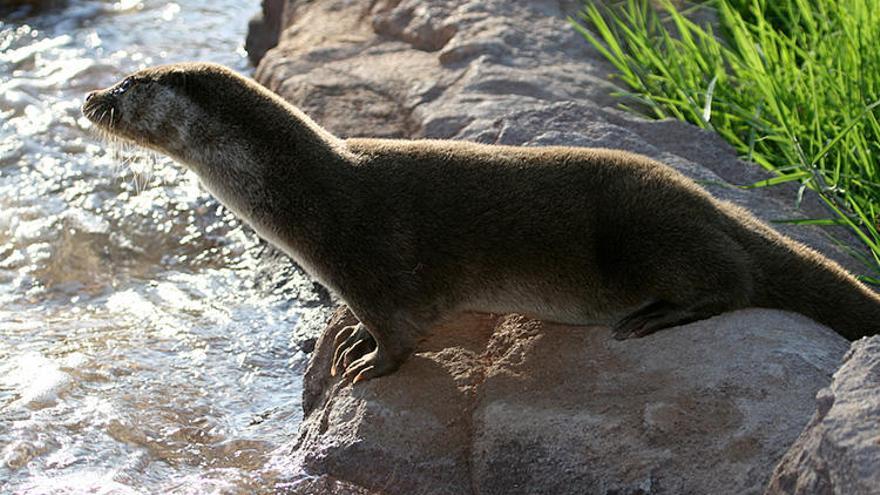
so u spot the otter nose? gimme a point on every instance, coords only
(91, 95)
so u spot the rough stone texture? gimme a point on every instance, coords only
(839, 451)
(506, 405)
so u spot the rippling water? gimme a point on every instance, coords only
(149, 343)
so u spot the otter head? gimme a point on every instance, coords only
(189, 111)
(238, 136)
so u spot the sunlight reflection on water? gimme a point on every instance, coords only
(148, 341)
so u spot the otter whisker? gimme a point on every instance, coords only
(154, 159)
(134, 175)
(148, 172)
(122, 150)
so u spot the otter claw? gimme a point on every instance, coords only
(343, 359)
(363, 375)
(347, 343)
(366, 367)
(343, 335)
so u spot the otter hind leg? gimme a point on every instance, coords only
(657, 315)
(681, 290)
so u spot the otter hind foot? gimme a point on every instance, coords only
(657, 315)
(350, 344)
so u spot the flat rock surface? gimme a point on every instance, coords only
(839, 451)
(507, 405)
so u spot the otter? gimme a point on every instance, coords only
(409, 232)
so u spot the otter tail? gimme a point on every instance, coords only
(793, 277)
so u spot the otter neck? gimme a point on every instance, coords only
(286, 193)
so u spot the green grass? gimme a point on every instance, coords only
(793, 85)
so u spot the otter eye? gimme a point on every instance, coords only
(123, 86)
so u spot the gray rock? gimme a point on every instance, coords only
(263, 30)
(839, 451)
(507, 405)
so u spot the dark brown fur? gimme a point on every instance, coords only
(410, 232)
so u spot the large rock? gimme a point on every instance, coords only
(839, 452)
(506, 405)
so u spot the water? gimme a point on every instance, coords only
(149, 343)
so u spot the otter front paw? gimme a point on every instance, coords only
(350, 344)
(372, 365)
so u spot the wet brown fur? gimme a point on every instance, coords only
(411, 232)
